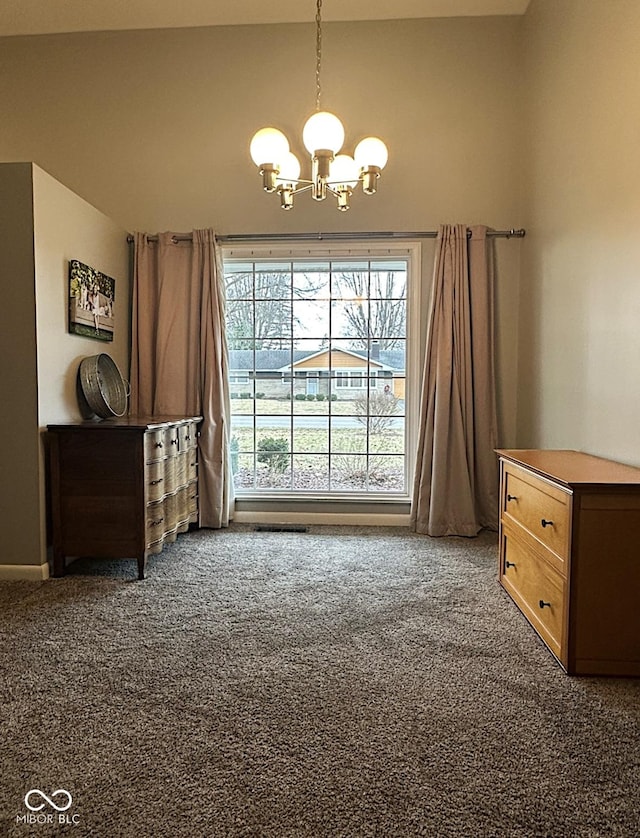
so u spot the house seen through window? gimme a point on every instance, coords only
(317, 374)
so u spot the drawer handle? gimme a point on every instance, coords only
(174, 442)
(155, 523)
(544, 604)
(508, 564)
(512, 497)
(546, 523)
(155, 482)
(158, 445)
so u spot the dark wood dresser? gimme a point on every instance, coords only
(121, 487)
(570, 555)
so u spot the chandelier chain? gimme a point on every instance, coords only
(318, 52)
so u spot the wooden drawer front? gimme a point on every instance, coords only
(171, 512)
(171, 440)
(540, 507)
(182, 502)
(154, 445)
(181, 468)
(170, 474)
(155, 522)
(536, 588)
(188, 435)
(154, 478)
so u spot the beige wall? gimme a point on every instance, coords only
(580, 315)
(43, 225)
(67, 227)
(153, 128)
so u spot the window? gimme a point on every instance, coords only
(237, 377)
(322, 339)
(355, 379)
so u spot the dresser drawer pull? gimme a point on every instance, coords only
(158, 445)
(174, 442)
(155, 482)
(156, 523)
(544, 604)
(508, 564)
(512, 497)
(546, 523)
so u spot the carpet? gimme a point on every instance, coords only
(344, 682)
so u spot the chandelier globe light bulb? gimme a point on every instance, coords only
(344, 172)
(268, 145)
(323, 131)
(371, 152)
(289, 169)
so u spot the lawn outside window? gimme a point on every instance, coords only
(322, 373)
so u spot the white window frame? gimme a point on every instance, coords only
(360, 249)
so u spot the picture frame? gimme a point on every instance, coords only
(92, 297)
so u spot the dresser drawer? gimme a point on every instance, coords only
(182, 468)
(154, 478)
(170, 467)
(188, 435)
(542, 508)
(155, 524)
(536, 587)
(171, 440)
(171, 513)
(154, 445)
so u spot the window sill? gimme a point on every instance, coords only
(285, 509)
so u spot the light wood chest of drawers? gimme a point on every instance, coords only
(121, 488)
(570, 555)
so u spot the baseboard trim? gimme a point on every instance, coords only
(352, 519)
(25, 572)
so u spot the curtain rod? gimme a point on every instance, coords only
(272, 237)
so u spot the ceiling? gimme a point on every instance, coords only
(37, 17)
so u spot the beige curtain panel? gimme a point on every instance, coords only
(456, 478)
(179, 363)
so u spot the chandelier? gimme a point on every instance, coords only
(323, 137)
